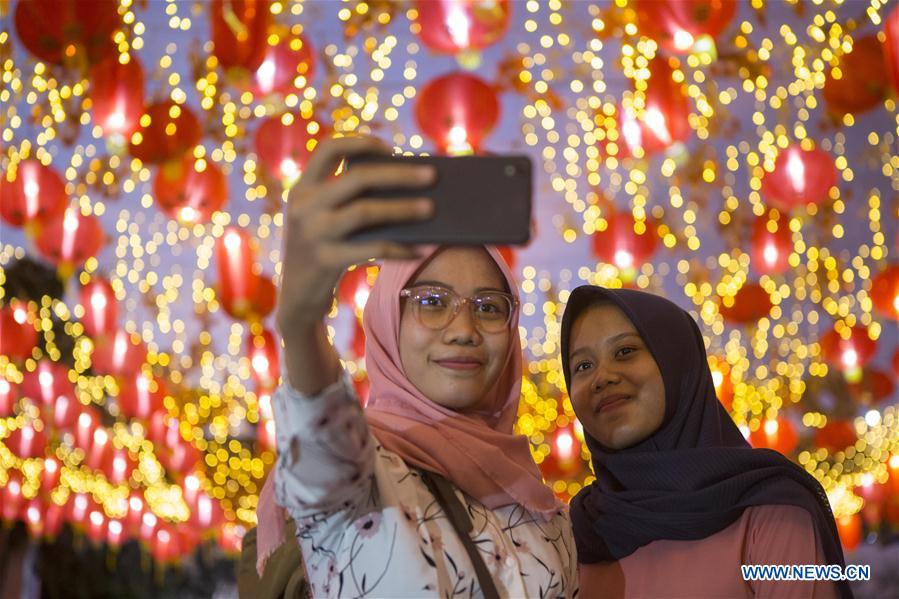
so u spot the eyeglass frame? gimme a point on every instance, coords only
(515, 303)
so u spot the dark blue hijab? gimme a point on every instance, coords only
(696, 474)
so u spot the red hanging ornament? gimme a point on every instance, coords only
(58, 30)
(456, 112)
(118, 355)
(874, 387)
(238, 281)
(724, 388)
(9, 394)
(17, 333)
(353, 289)
(850, 531)
(284, 144)
(187, 194)
(508, 255)
(118, 465)
(140, 396)
(849, 353)
(564, 459)
(750, 304)
(885, 292)
(453, 26)
(115, 532)
(100, 448)
(779, 435)
(799, 177)
(27, 442)
(770, 245)
(863, 82)
(266, 434)
(682, 26)
(12, 501)
(836, 436)
(31, 193)
(117, 96)
(69, 239)
(891, 47)
(88, 423)
(239, 30)
(66, 411)
(171, 131)
(50, 475)
(46, 382)
(288, 66)
(621, 244)
(134, 515)
(101, 308)
(262, 350)
(266, 298)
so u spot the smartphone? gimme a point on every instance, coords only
(477, 200)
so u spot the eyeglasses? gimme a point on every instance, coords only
(436, 307)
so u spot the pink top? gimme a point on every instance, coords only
(769, 534)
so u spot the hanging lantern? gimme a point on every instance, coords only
(231, 538)
(66, 411)
(265, 434)
(684, 26)
(12, 502)
(238, 283)
(799, 177)
(262, 350)
(9, 394)
(859, 82)
(353, 289)
(118, 355)
(453, 26)
(850, 531)
(17, 333)
(95, 528)
(885, 292)
(724, 388)
(88, 423)
(836, 436)
(190, 191)
(850, 352)
(873, 388)
(777, 434)
(203, 514)
(284, 144)
(167, 132)
(50, 475)
(508, 255)
(27, 442)
(46, 382)
(625, 242)
(101, 308)
(456, 112)
(179, 459)
(134, 516)
(31, 192)
(100, 448)
(564, 459)
(117, 96)
(891, 47)
(750, 304)
(60, 30)
(288, 66)
(266, 298)
(239, 29)
(140, 396)
(117, 465)
(43, 518)
(69, 239)
(115, 532)
(770, 245)
(664, 119)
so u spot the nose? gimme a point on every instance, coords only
(462, 329)
(604, 376)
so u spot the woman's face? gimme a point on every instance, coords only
(616, 388)
(457, 365)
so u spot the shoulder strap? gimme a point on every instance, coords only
(446, 496)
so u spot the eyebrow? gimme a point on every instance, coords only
(429, 283)
(618, 337)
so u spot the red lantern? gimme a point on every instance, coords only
(188, 195)
(457, 111)
(851, 352)
(135, 514)
(836, 436)
(863, 82)
(620, 243)
(284, 144)
(203, 512)
(12, 501)
(452, 26)
(140, 396)
(69, 239)
(873, 388)
(353, 289)
(266, 297)
(770, 245)
(750, 304)
(9, 393)
(57, 30)
(88, 423)
(117, 94)
(724, 388)
(238, 283)
(891, 47)
(100, 448)
(115, 533)
(663, 121)
(677, 25)
(287, 66)
(564, 458)
(779, 435)
(508, 255)
(262, 350)
(179, 459)
(31, 192)
(231, 538)
(66, 411)
(119, 355)
(358, 343)
(895, 363)
(101, 308)
(873, 494)
(43, 518)
(47, 382)
(239, 30)
(850, 531)
(171, 132)
(96, 525)
(885, 292)
(17, 333)
(799, 177)
(27, 442)
(148, 525)
(265, 434)
(118, 465)
(362, 385)
(50, 475)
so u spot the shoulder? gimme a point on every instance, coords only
(781, 517)
(782, 534)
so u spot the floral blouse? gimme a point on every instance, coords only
(369, 527)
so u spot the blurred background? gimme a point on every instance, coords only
(737, 157)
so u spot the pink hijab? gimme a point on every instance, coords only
(477, 452)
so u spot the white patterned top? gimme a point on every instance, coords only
(369, 527)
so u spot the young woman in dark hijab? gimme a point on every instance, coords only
(680, 500)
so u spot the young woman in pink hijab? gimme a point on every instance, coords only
(426, 491)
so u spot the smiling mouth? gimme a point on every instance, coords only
(459, 365)
(613, 403)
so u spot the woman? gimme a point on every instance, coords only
(680, 500)
(426, 491)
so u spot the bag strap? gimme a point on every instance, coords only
(446, 496)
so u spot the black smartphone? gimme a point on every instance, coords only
(477, 200)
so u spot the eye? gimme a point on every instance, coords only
(625, 351)
(582, 366)
(431, 300)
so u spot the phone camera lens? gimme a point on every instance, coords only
(511, 170)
